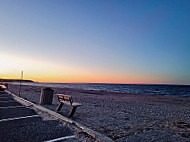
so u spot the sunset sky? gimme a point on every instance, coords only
(105, 41)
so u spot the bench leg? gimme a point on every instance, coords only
(59, 107)
(72, 111)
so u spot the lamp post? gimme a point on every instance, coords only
(20, 82)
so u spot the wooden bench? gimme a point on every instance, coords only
(67, 100)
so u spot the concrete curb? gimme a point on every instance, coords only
(97, 136)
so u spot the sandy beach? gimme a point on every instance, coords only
(122, 116)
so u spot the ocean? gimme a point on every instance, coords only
(145, 89)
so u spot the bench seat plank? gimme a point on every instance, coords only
(73, 104)
(76, 104)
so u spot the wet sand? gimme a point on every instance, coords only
(122, 116)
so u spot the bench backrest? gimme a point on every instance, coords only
(65, 98)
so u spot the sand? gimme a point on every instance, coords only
(122, 116)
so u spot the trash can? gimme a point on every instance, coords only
(46, 96)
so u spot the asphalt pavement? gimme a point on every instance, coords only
(20, 123)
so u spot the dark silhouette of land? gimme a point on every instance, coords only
(15, 80)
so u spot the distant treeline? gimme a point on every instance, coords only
(14, 80)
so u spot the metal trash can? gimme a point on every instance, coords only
(46, 96)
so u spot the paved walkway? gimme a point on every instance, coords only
(22, 124)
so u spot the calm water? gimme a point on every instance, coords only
(165, 90)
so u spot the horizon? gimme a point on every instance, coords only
(93, 82)
(115, 42)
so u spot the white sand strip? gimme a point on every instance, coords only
(62, 138)
(9, 107)
(17, 118)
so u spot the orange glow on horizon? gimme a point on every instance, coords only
(43, 71)
(92, 79)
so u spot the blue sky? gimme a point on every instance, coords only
(122, 41)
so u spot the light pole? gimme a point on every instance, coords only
(20, 82)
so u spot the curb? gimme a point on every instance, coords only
(97, 136)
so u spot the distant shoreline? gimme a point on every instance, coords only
(149, 84)
(114, 83)
(15, 80)
(179, 91)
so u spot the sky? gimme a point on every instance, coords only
(96, 41)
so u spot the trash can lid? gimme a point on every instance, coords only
(48, 89)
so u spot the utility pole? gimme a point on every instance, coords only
(20, 82)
